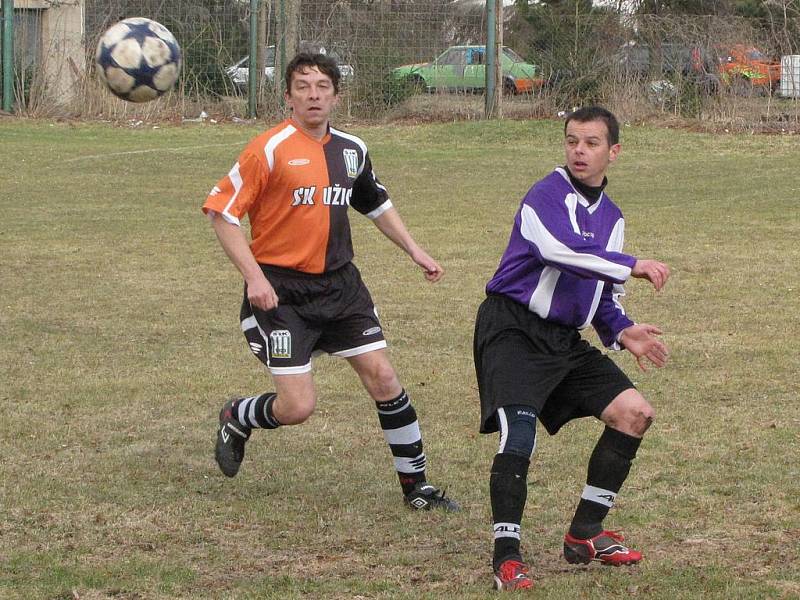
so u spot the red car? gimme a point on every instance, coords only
(747, 65)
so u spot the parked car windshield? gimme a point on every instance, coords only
(453, 56)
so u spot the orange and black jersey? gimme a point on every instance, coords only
(295, 191)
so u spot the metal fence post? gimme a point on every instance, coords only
(253, 75)
(493, 66)
(8, 55)
(280, 47)
(287, 41)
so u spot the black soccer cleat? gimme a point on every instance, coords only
(231, 438)
(425, 497)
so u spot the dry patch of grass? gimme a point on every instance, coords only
(121, 340)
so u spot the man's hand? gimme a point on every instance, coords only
(640, 341)
(261, 294)
(652, 270)
(433, 271)
(392, 226)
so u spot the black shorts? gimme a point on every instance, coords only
(521, 358)
(332, 312)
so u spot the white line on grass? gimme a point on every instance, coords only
(107, 154)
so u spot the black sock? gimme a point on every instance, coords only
(508, 489)
(608, 467)
(256, 411)
(400, 427)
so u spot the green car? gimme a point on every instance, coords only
(463, 68)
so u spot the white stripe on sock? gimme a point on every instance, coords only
(599, 495)
(410, 465)
(409, 434)
(251, 413)
(396, 410)
(503, 423)
(506, 530)
(243, 409)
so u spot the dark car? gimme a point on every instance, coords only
(663, 64)
(665, 59)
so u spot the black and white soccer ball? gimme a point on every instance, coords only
(138, 59)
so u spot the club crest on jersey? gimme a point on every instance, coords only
(351, 162)
(281, 342)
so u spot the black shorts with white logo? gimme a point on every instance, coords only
(332, 312)
(521, 358)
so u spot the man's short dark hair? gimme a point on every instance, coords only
(596, 113)
(306, 60)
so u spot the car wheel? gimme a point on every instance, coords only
(415, 85)
(509, 89)
(398, 91)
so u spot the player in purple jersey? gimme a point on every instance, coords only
(561, 272)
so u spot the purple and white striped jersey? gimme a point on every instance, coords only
(564, 260)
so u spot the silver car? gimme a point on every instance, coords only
(239, 72)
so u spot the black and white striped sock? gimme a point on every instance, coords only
(400, 427)
(256, 411)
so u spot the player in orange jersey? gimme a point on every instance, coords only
(303, 294)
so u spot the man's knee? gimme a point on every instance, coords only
(517, 430)
(641, 417)
(294, 404)
(294, 410)
(630, 413)
(381, 381)
(648, 413)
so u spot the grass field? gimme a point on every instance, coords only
(120, 339)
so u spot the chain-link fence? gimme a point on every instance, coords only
(369, 39)
(425, 59)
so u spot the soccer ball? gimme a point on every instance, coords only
(138, 59)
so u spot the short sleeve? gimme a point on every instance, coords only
(369, 196)
(235, 193)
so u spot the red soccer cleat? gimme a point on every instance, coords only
(512, 575)
(605, 547)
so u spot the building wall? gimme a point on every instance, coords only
(62, 58)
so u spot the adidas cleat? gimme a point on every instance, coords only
(425, 497)
(605, 547)
(512, 575)
(231, 438)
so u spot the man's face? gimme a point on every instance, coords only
(588, 152)
(311, 97)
